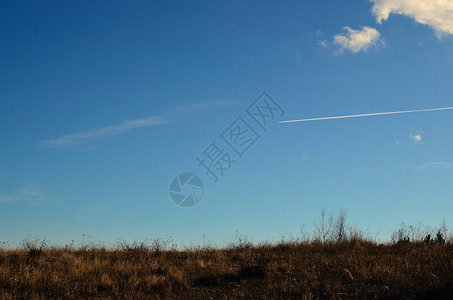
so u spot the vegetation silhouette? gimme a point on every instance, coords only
(337, 261)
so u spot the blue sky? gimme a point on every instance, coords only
(103, 104)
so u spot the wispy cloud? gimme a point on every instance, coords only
(357, 40)
(171, 116)
(98, 133)
(416, 138)
(322, 44)
(187, 110)
(233, 25)
(27, 195)
(98, 209)
(438, 14)
(305, 156)
(433, 165)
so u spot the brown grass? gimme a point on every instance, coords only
(292, 270)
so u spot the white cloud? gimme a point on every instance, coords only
(27, 195)
(305, 156)
(434, 165)
(98, 209)
(322, 44)
(74, 139)
(357, 40)
(235, 26)
(438, 14)
(416, 138)
(97, 133)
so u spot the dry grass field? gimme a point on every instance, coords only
(352, 268)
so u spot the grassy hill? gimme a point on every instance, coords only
(293, 270)
(335, 262)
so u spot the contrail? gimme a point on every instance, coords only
(367, 115)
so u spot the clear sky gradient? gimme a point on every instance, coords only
(103, 103)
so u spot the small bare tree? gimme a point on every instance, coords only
(339, 227)
(355, 234)
(323, 226)
(443, 229)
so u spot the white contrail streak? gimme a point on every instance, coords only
(367, 115)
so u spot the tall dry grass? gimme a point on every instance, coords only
(341, 267)
(351, 269)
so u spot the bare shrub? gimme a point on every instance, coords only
(323, 227)
(339, 227)
(34, 247)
